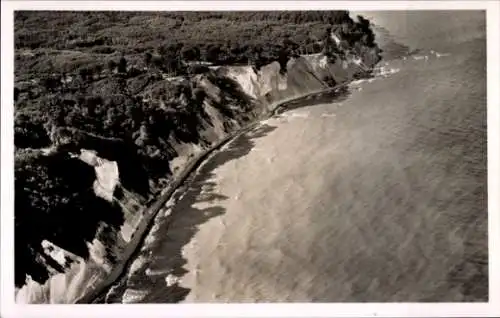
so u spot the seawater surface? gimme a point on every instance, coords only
(378, 196)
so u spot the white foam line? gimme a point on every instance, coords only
(299, 115)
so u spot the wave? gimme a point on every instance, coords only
(420, 57)
(297, 115)
(438, 55)
(385, 71)
(431, 54)
(328, 115)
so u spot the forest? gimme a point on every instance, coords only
(99, 77)
(163, 39)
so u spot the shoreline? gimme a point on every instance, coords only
(147, 223)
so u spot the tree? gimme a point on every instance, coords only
(157, 61)
(213, 53)
(330, 81)
(98, 69)
(111, 65)
(86, 74)
(147, 58)
(122, 65)
(283, 57)
(190, 53)
(50, 83)
(83, 72)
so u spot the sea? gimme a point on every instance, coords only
(377, 196)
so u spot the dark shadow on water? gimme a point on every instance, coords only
(334, 96)
(175, 232)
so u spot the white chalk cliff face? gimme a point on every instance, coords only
(107, 176)
(304, 75)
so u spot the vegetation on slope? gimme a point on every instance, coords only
(105, 81)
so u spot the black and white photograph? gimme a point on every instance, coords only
(198, 155)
